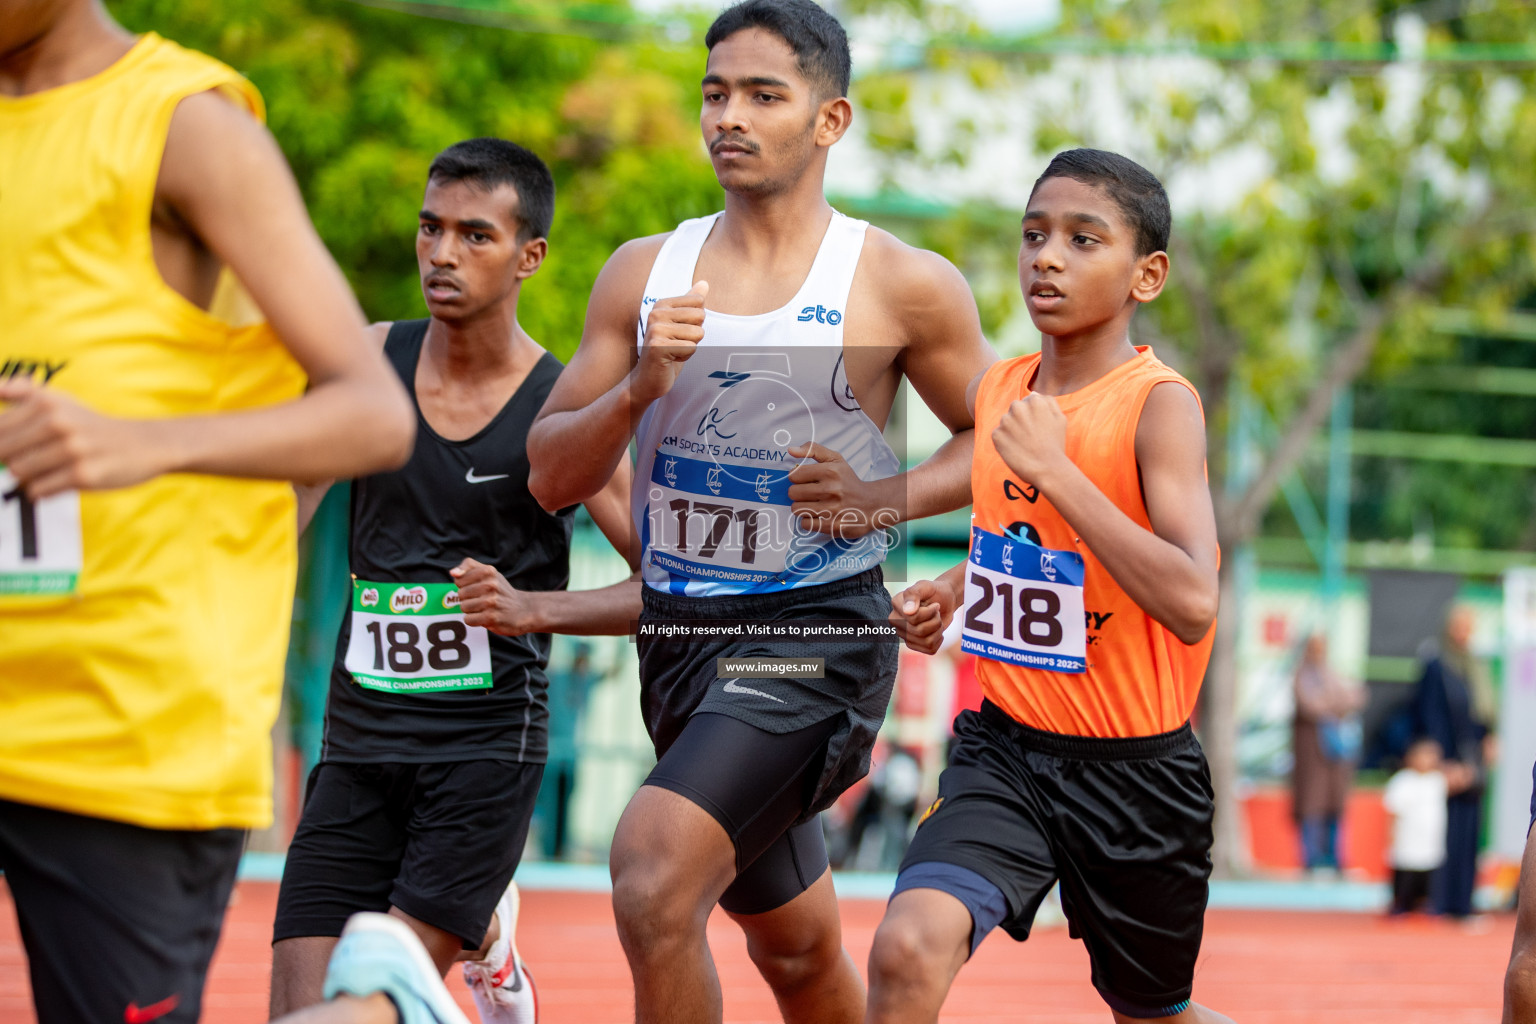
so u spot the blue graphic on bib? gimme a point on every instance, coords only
(1024, 604)
(747, 537)
(740, 483)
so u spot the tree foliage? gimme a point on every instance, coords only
(361, 99)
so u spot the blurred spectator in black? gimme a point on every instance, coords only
(568, 691)
(1325, 743)
(1453, 705)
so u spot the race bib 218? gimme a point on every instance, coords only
(1024, 604)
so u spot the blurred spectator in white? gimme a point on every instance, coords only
(1415, 797)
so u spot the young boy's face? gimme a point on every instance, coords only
(1423, 757)
(1078, 266)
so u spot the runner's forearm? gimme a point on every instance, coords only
(607, 611)
(954, 579)
(1162, 578)
(940, 483)
(573, 454)
(295, 440)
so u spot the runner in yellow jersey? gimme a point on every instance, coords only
(150, 407)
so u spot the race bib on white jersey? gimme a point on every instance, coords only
(1024, 604)
(40, 547)
(716, 521)
(412, 638)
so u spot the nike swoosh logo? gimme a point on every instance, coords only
(135, 1014)
(470, 477)
(731, 687)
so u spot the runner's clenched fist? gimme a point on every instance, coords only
(673, 331)
(922, 612)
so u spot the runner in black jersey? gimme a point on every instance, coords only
(436, 725)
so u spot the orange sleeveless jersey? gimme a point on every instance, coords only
(1140, 679)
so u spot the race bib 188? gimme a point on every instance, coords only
(412, 638)
(40, 549)
(1024, 604)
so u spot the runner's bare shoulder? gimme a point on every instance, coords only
(629, 267)
(620, 285)
(213, 137)
(916, 288)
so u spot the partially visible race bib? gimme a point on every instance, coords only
(412, 638)
(716, 521)
(40, 547)
(1024, 604)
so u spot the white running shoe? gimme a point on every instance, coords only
(379, 953)
(500, 984)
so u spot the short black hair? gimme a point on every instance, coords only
(1134, 189)
(818, 39)
(492, 162)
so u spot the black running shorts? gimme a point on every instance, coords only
(1124, 824)
(678, 678)
(119, 922)
(438, 841)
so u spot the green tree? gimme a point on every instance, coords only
(361, 99)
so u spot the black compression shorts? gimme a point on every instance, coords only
(1124, 824)
(756, 784)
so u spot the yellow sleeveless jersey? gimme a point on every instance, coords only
(142, 630)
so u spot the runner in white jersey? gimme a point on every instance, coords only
(715, 517)
(756, 402)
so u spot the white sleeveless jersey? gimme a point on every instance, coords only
(711, 497)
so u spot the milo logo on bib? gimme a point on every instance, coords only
(412, 638)
(411, 599)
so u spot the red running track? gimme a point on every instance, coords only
(1262, 967)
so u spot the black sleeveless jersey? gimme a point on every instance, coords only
(454, 500)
